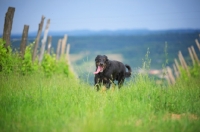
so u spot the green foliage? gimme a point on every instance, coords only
(12, 62)
(49, 64)
(5, 57)
(63, 67)
(27, 65)
(183, 74)
(195, 70)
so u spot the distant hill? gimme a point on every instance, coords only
(124, 32)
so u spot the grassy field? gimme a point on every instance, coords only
(58, 103)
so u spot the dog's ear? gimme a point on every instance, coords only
(106, 57)
(97, 57)
(107, 60)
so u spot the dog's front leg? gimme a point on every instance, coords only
(96, 83)
(97, 86)
(107, 82)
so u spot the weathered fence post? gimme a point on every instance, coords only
(195, 55)
(197, 43)
(37, 39)
(67, 52)
(176, 71)
(191, 56)
(24, 41)
(170, 75)
(8, 25)
(177, 65)
(64, 40)
(49, 44)
(183, 63)
(44, 41)
(58, 49)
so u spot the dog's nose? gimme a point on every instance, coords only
(101, 63)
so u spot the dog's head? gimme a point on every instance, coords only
(101, 62)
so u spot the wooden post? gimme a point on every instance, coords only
(197, 43)
(176, 71)
(191, 55)
(24, 40)
(67, 52)
(177, 65)
(170, 75)
(58, 49)
(183, 63)
(195, 55)
(8, 25)
(37, 39)
(44, 41)
(49, 44)
(63, 45)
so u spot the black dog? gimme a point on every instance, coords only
(108, 71)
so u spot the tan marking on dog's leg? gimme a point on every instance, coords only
(103, 89)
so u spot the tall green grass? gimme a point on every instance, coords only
(49, 98)
(59, 103)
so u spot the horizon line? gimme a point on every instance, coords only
(106, 30)
(115, 30)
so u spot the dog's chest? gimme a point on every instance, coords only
(107, 76)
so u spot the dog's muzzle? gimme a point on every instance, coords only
(100, 68)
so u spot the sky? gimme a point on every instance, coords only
(67, 15)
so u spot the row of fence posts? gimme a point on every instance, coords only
(171, 79)
(62, 49)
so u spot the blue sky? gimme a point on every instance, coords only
(103, 14)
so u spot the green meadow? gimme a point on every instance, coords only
(48, 97)
(59, 103)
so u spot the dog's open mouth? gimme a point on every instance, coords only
(99, 69)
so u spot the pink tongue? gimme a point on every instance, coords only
(98, 70)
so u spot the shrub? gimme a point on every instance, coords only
(13, 62)
(49, 64)
(5, 57)
(27, 65)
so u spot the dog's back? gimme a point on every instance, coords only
(117, 66)
(120, 67)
